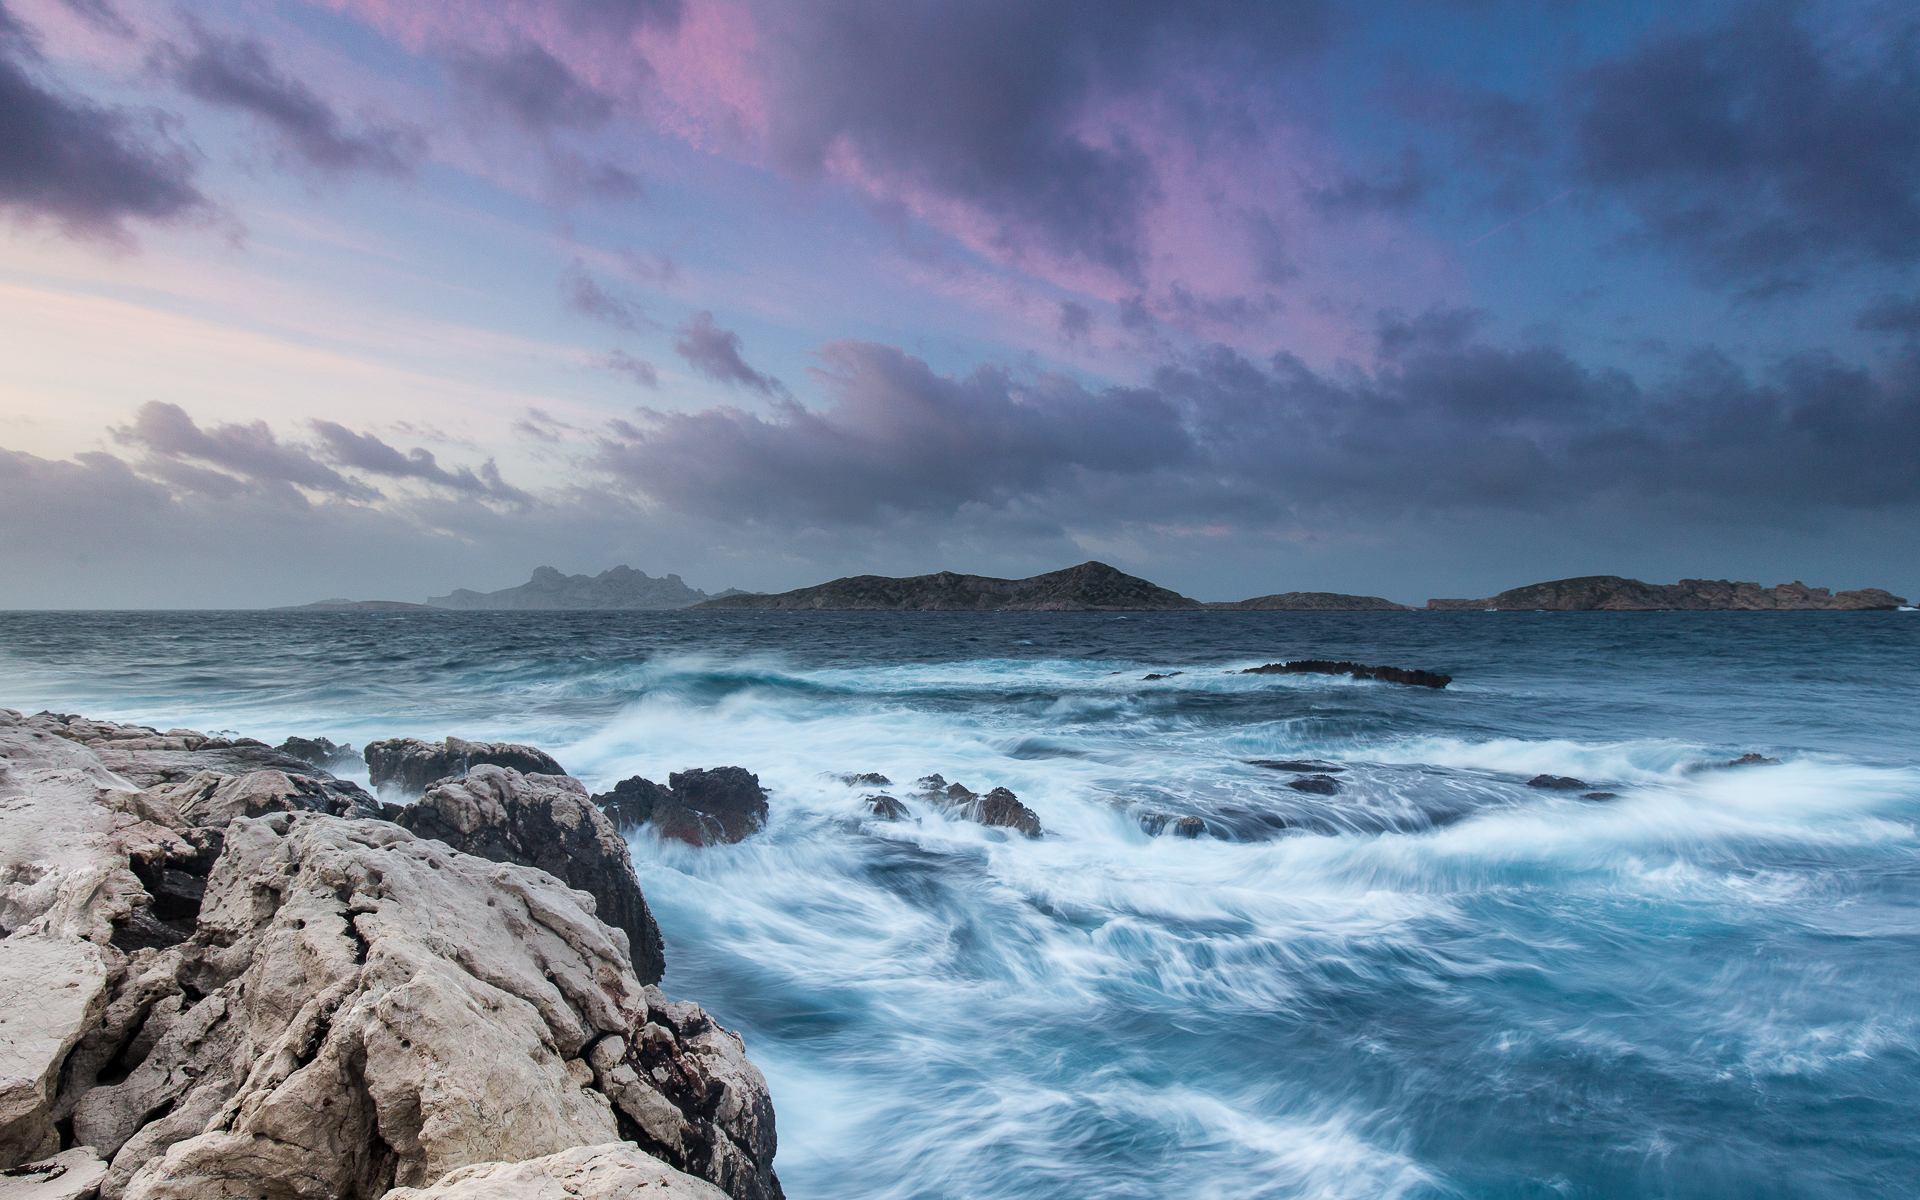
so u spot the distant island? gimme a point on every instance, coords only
(1613, 593)
(1089, 587)
(1097, 587)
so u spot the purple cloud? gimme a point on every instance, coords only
(715, 353)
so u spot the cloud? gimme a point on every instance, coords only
(715, 353)
(1891, 314)
(533, 88)
(102, 15)
(1076, 321)
(1756, 151)
(82, 166)
(582, 295)
(368, 453)
(238, 73)
(1397, 189)
(250, 451)
(1445, 423)
(639, 370)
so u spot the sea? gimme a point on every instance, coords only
(1684, 979)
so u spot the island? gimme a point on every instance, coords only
(1614, 593)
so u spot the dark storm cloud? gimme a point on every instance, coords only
(368, 453)
(1891, 314)
(898, 438)
(1443, 423)
(981, 101)
(639, 370)
(715, 353)
(1076, 321)
(1760, 152)
(85, 167)
(239, 73)
(1395, 189)
(251, 452)
(533, 88)
(584, 296)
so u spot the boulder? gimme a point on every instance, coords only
(1558, 783)
(886, 808)
(544, 821)
(615, 1171)
(868, 779)
(70, 1175)
(412, 764)
(1002, 808)
(320, 752)
(631, 802)
(382, 1009)
(209, 799)
(707, 807)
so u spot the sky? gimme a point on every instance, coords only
(381, 298)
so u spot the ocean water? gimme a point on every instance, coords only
(1438, 982)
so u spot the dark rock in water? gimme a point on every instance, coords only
(1754, 760)
(1558, 783)
(1598, 795)
(708, 807)
(413, 764)
(1001, 807)
(631, 802)
(1295, 764)
(870, 779)
(1168, 675)
(1189, 827)
(959, 793)
(1321, 666)
(931, 783)
(886, 808)
(318, 751)
(1318, 785)
(547, 822)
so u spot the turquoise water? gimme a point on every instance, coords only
(1437, 982)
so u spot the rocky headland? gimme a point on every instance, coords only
(1311, 602)
(1089, 587)
(1613, 593)
(619, 587)
(225, 972)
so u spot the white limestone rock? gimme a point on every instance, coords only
(70, 1175)
(616, 1171)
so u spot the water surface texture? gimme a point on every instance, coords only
(1436, 982)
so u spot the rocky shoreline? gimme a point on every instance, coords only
(225, 972)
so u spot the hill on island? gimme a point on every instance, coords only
(1614, 593)
(619, 587)
(1089, 587)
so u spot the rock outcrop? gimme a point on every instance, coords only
(356, 1008)
(700, 807)
(411, 764)
(1320, 666)
(999, 807)
(544, 821)
(1089, 587)
(615, 1171)
(1613, 593)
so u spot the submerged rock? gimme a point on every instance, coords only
(544, 821)
(1558, 783)
(1295, 764)
(1189, 827)
(1320, 666)
(412, 764)
(1167, 675)
(1318, 785)
(870, 779)
(1754, 760)
(1599, 795)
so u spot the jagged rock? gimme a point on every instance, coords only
(319, 751)
(631, 802)
(1753, 760)
(147, 980)
(70, 1175)
(1002, 808)
(53, 991)
(615, 1171)
(383, 1009)
(1168, 675)
(209, 800)
(959, 793)
(886, 808)
(1318, 785)
(545, 821)
(1558, 783)
(928, 784)
(1321, 666)
(870, 779)
(140, 755)
(708, 807)
(412, 764)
